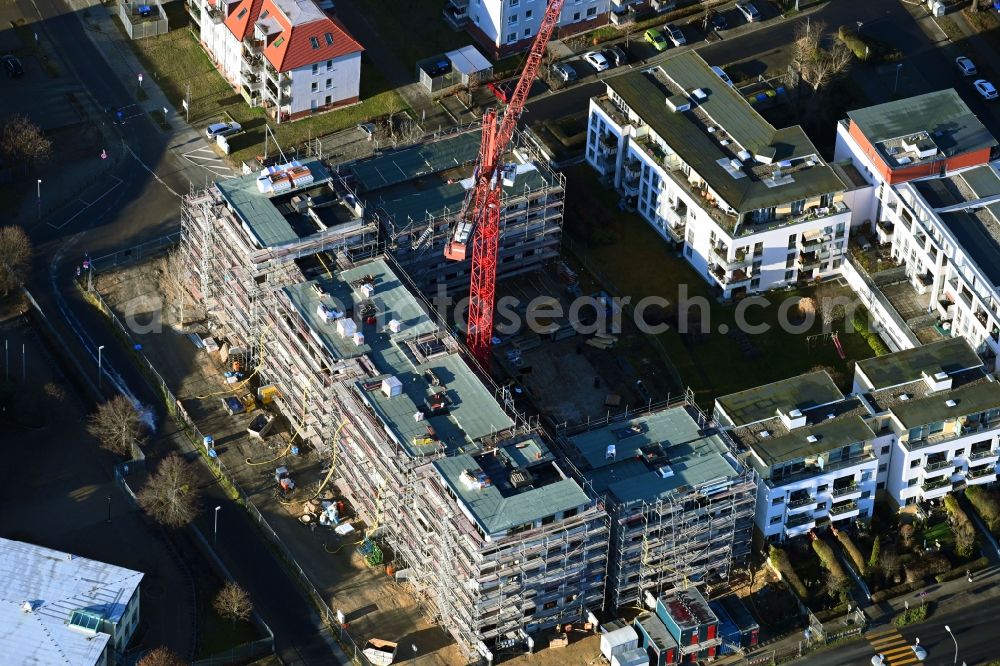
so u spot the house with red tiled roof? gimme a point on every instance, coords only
(287, 56)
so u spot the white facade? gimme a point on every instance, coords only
(510, 21)
(324, 83)
(650, 175)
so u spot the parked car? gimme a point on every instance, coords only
(985, 88)
(965, 66)
(749, 12)
(656, 38)
(13, 67)
(718, 21)
(616, 56)
(596, 60)
(722, 75)
(368, 129)
(675, 34)
(564, 72)
(222, 129)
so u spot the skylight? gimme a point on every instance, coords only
(279, 41)
(314, 42)
(265, 14)
(243, 12)
(329, 39)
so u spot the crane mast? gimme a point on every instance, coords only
(480, 216)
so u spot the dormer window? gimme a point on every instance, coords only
(329, 39)
(314, 42)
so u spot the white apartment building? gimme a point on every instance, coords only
(812, 452)
(508, 26)
(937, 413)
(58, 608)
(287, 56)
(753, 207)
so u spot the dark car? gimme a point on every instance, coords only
(718, 21)
(13, 67)
(616, 56)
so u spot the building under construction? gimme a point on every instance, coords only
(415, 193)
(680, 503)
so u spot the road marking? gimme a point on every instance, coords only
(206, 158)
(890, 644)
(88, 205)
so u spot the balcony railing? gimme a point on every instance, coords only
(795, 504)
(838, 509)
(800, 519)
(941, 464)
(846, 490)
(812, 471)
(935, 484)
(967, 428)
(978, 472)
(979, 455)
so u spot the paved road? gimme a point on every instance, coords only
(972, 626)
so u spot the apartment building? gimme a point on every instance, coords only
(680, 503)
(288, 56)
(912, 138)
(504, 27)
(59, 608)
(937, 412)
(813, 454)
(415, 194)
(752, 207)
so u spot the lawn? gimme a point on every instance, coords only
(178, 63)
(414, 30)
(629, 258)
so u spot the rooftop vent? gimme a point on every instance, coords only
(793, 419)
(665, 472)
(346, 327)
(521, 478)
(699, 93)
(26, 607)
(950, 403)
(395, 326)
(610, 452)
(904, 397)
(678, 103)
(812, 439)
(391, 386)
(764, 434)
(367, 289)
(765, 154)
(939, 381)
(830, 416)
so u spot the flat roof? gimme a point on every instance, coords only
(687, 134)
(398, 166)
(828, 434)
(391, 299)
(57, 584)
(969, 399)
(668, 440)
(500, 506)
(657, 632)
(763, 402)
(946, 119)
(950, 355)
(258, 211)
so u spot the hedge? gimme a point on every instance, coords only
(958, 572)
(831, 613)
(987, 505)
(828, 558)
(852, 551)
(867, 49)
(876, 552)
(779, 560)
(963, 527)
(851, 40)
(902, 588)
(873, 340)
(911, 616)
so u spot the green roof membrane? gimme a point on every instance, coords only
(258, 212)
(831, 434)
(500, 506)
(952, 126)
(402, 165)
(763, 402)
(970, 399)
(669, 440)
(949, 355)
(687, 136)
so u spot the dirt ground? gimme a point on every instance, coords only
(63, 484)
(374, 605)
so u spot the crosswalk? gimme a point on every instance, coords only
(889, 643)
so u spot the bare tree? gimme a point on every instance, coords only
(174, 274)
(169, 496)
(117, 424)
(818, 66)
(233, 603)
(15, 255)
(888, 562)
(23, 142)
(160, 656)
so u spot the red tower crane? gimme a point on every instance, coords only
(480, 216)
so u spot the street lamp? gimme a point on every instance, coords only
(39, 198)
(948, 629)
(100, 373)
(215, 528)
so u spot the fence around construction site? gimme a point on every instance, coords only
(193, 443)
(145, 250)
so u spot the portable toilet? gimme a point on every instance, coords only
(618, 641)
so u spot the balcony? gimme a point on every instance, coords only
(968, 427)
(799, 503)
(939, 466)
(456, 13)
(846, 491)
(799, 524)
(845, 510)
(982, 455)
(983, 474)
(215, 14)
(813, 471)
(808, 260)
(936, 488)
(706, 202)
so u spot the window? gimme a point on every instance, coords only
(790, 261)
(866, 494)
(885, 450)
(914, 463)
(883, 467)
(279, 41)
(911, 483)
(514, 3)
(528, 14)
(959, 453)
(777, 500)
(329, 83)
(512, 19)
(758, 249)
(329, 38)
(329, 65)
(592, 11)
(527, 32)
(689, 251)
(576, 16)
(789, 275)
(314, 42)
(754, 283)
(798, 207)
(512, 37)
(791, 241)
(775, 520)
(329, 100)
(880, 485)
(315, 69)
(243, 12)
(314, 87)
